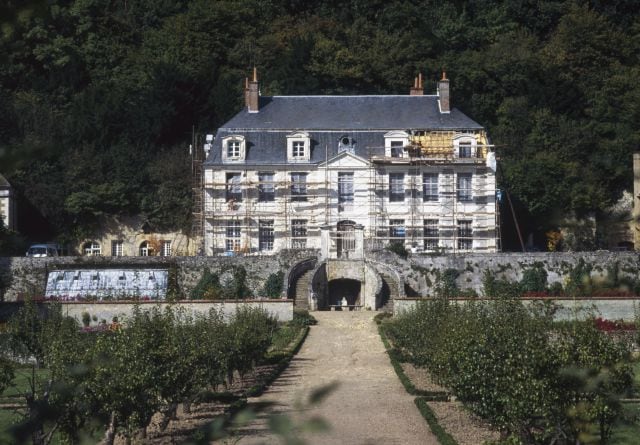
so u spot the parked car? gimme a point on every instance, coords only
(44, 250)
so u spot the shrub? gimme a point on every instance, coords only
(249, 335)
(86, 319)
(446, 285)
(513, 366)
(208, 287)
(273, 286)
(398, 248)
(534, 279)
(302, 317)
(237, 289)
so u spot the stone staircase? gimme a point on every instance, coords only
(301, 300)
(390, 284)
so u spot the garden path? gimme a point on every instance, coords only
(368, 405)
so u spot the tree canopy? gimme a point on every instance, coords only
(98, 98)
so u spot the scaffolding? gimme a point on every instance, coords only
(317, 202)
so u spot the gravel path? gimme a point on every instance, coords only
(368, 406)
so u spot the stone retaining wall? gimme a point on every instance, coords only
(420, 271)
(27, 276)
(608, 308)
(280, 309)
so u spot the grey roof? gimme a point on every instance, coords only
(4, 182)
(327, 118)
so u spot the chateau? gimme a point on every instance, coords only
(346, 173)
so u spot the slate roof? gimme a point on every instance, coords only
(327, 118)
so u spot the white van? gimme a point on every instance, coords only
(44, 250)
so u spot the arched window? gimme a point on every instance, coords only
(146, 249)
(92, 248)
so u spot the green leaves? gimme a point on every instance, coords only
(512, 366)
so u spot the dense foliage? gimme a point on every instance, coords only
(98, 98)
(536, 381)
(119, 378)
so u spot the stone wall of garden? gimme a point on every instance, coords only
(98, 311)
(567, 309)
(421, 271)
(23, 276)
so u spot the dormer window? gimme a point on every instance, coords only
(347, 144)
(464, 146)
(297, 151)
(233, 149)
(394, 143)
(298, 147)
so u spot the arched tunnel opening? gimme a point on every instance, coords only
(347, 289)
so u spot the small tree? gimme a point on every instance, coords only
(208, 287)
(534, 279)
(273, 286)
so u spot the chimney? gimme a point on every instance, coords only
(444, 99)
(416, 89)
(252, 92)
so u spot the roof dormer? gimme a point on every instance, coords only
(298, 147)
(234, 148)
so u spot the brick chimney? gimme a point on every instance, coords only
(444, 99)
(416, 89)
(252, 92)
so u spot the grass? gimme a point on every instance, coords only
(627, 429)
(15, 395)
(444, 438)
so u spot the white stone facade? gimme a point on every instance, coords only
(390, 201)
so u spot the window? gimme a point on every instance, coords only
(396, 230)
(465, 234)
(297, 150)
(298, 233)
(345, 192)
(396, 187)
(465, 193)
(430, 187)
(397, 150)
(347, 144)
(165, 248)
(234, 189)
(232, 242)
(91, 248)
(116, 248)
(233, 149)
(265, 235)
(298, 186)
(464, 150)
(145, 249)
(266, 187)
(394, 143)
(298, 147)
(431, 234)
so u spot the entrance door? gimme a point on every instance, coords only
(345, 238)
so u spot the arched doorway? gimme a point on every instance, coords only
(345, 238)
(347, 289)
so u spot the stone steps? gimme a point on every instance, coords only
(301, 300)
(393, 292)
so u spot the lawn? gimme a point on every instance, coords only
(14, 395)
(627, 430)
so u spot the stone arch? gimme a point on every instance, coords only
(350, 272)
